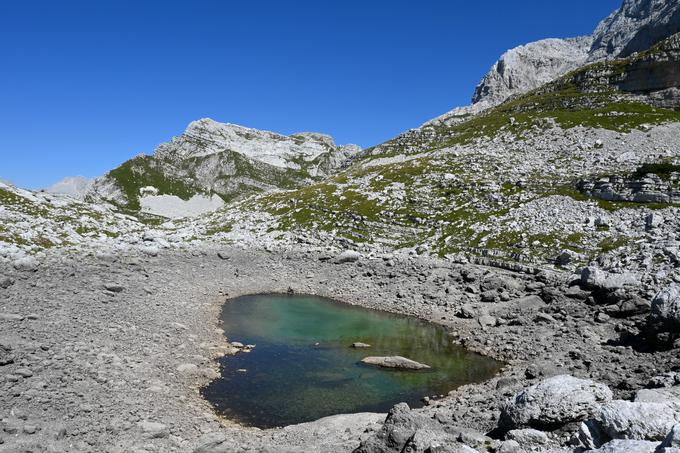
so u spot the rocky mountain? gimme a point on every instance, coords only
(636, 26)
(212, 163)
(526, 67)
(73, 186)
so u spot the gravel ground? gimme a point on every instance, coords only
(108, 352)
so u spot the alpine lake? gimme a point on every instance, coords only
(304, 366)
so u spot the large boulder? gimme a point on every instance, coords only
(638, 420)
(666, 308)
(410, 431)
(671, 444)
(554, 402)
(596, 279)
(627, 446)
(672, 440)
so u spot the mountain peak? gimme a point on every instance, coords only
(73, 186)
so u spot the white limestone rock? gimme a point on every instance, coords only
(636, 26)
(526, 67)
(638, 420)
(554, 402)
(666, 306)
(627, 446)
(396, 361)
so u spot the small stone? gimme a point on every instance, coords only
(114, 288)
(11, 317)
(223, 255)
(653, 221)
(6, 355)
(153, 430)
(487, 321)
(26, 264)
(564, 258)
(151, 251)
(6, 282)
(602, 317)
(23, 372)
(187, 368)
(348, 256)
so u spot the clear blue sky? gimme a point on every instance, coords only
(85, 85)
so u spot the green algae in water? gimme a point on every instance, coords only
(303, 367)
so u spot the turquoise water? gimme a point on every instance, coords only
(303, 367)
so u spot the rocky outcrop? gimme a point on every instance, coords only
(648, 188)
(635, 27)
(527, 67)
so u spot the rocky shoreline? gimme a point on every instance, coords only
(107, 352)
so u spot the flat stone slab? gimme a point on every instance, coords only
(398, 362)
(359, 345)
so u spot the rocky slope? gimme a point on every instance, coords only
(212, 160)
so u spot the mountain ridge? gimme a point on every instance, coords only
(226, 160)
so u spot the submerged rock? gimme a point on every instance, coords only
(359, 345)
(396, 361)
